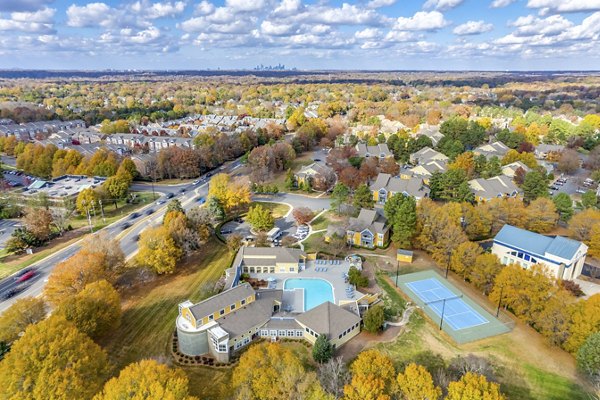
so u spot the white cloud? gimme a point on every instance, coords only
(368, 33)
(531, 25)
(564, 5)
(380, 3)
(397, 36)
(274, 29)
(421, 21)
(345, 15)
(501, 3)
(158, 10)
(21, 26)
(246, 5)
(288, 8)
(92, 14)
(441, 5)
(45, 15)
(204, 8)
(472, 28)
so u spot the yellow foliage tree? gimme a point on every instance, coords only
(269, 371)
(158, 251)
(147, 380)
(72, 275)
(416, 383)
(85, 199)
(541, 215)
(526, 158)
(594, 242)
(585, 320)
(372, 377)
(229, 194)
(53, 360)
(463, 258)
(366, 387)
(581, 224)
(484, 271)
(23, 312)
(474, 387)
(465, 162)
(95, 310)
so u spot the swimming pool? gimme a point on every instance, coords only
(316, 291)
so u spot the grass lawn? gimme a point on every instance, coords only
(277, 209)
(525, 365)
(279, 179)
(314, 242)
(149, 313)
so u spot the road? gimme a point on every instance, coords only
(127, 237)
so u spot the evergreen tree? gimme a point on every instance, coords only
(534, 186)
(363, 198)
(322, 350)
(339, 196)
(401, 213)
(564, 206)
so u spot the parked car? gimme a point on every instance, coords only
(580, 190)
(226, 232)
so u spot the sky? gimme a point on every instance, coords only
(240, 34)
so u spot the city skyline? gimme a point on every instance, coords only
(326, 35)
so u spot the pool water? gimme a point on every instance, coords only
(316, 291)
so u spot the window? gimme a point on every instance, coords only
(222, 312)
(292, 269)
(504, 260)
(232, 307)
(339, 337)
(299, 333)
(264, 332)
(281, 333)
(244, 302)
(273, 332)
(211, 317)
(307, 330)
(222, 348)
(290, 333)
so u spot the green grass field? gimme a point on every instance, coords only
(112, 214)
(149, 315)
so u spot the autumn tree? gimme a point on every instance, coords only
(109, 249)
(95, 310)
(229, 194)
(554, 320)
(22, 313)
(86, 199)
(269, 371)
(53, 360)
(372, 377)
(147, 379)
(464, 162)
(260, 218)
(585, 320)
(484, 271)
(73, 275)
(416, 383)
(580, 226)
(38, 221)
(568, 161)
(303, 215)
(234, 242)
(158, 251)
(474, 387)
(541, 215)
(401, 214)
(117, 186)
(463, 258)
(524, 291)
(333, 376)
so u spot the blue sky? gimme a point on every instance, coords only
(307, 34)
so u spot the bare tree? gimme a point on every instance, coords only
(333, 375)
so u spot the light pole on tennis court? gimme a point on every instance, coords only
(499, 301)
(443, 309)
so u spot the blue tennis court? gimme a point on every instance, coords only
(458, 314)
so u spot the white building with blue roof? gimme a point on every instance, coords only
(563, 257)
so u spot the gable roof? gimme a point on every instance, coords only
(313, 169)
(497, 149)
(537, 244)
(328, 319)
(382, 148)
(368, 219)
(279, 254)
(496, 186)
(426, 154)
(221, 300)
(413, 186)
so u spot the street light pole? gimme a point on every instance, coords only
(397, 270)
(448, 263)
(442, 317)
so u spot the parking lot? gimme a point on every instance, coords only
(571, 183)
(287, 225)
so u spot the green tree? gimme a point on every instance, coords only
(290, 180)
(363, 198)
(216, 209)
(564, 206)
(373, 319)
(401, 213)
(322, 349)
(452, 185)
(260, 218)
(148, 380)
(416, 383)
(23, 312)
(53, 360)
(588, 356)
(339, 196)
(95, 310)
(534, 186)
(355, 277)
(589, 199)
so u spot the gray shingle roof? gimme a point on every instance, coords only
(413, 186)
(221, 300)
(368, 219)
(497, 186)
(281, 254)
(328, 319)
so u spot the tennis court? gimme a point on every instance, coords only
(464, 320)
(456, 312)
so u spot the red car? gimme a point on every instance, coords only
(26, 276)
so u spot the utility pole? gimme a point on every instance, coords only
(500, 301)
(448, 263)
(89, 217)
(442, 317)
(397, 271)
(102, 210)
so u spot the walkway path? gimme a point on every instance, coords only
(405, 317)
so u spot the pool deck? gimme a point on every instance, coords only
(334, 275)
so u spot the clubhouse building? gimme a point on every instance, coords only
(225, 323)
(563, 257)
